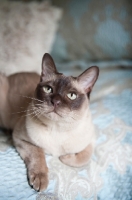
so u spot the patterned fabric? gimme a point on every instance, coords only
(109, 173)
(94, 30)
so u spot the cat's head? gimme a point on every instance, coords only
(61, 97)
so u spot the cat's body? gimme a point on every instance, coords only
(55, 119)
(14, 93)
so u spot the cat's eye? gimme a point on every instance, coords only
(72, 95)
(47, 89)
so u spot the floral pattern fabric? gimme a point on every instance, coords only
(109, 173)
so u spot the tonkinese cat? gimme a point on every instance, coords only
(48, 114)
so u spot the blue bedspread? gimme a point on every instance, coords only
(108, 176)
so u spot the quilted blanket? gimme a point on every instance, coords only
(109, 173)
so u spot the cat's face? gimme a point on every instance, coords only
(61, 97)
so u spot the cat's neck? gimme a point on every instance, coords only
(61, 125)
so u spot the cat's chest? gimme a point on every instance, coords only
(57, 141)
(51, 140)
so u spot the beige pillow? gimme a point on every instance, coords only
(26, 32)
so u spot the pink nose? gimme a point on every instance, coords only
(56, 101)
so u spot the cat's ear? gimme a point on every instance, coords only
(48, 65)
(88, 78)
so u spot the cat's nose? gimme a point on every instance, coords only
(56, 101)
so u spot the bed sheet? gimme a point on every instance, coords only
(109, 173)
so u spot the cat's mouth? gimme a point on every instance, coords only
(54, 111)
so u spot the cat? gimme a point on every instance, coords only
(49, 114)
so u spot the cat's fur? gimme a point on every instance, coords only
(49, 123)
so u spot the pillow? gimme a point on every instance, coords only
(26, 32)
(94, 30)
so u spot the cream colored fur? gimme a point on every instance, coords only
(58, 138)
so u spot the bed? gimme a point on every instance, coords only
(108, 175)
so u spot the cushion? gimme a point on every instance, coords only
(27, 31)
(94, 30)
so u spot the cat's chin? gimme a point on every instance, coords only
(53, 116)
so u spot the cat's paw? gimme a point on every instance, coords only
(68, 159)
(38, 180)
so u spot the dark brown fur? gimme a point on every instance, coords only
(61, 86)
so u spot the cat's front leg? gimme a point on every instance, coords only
(34, 159)
(78, 159)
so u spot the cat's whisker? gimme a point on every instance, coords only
(38, 111)
(39, 107)
(22, 111)
(35, 115)
(39, 103)
(29, 97)
(27, 114)
(41, 110)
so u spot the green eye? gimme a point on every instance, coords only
(72, 95)
(47, 89)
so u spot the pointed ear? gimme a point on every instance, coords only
(48, 65)
(88, 78)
